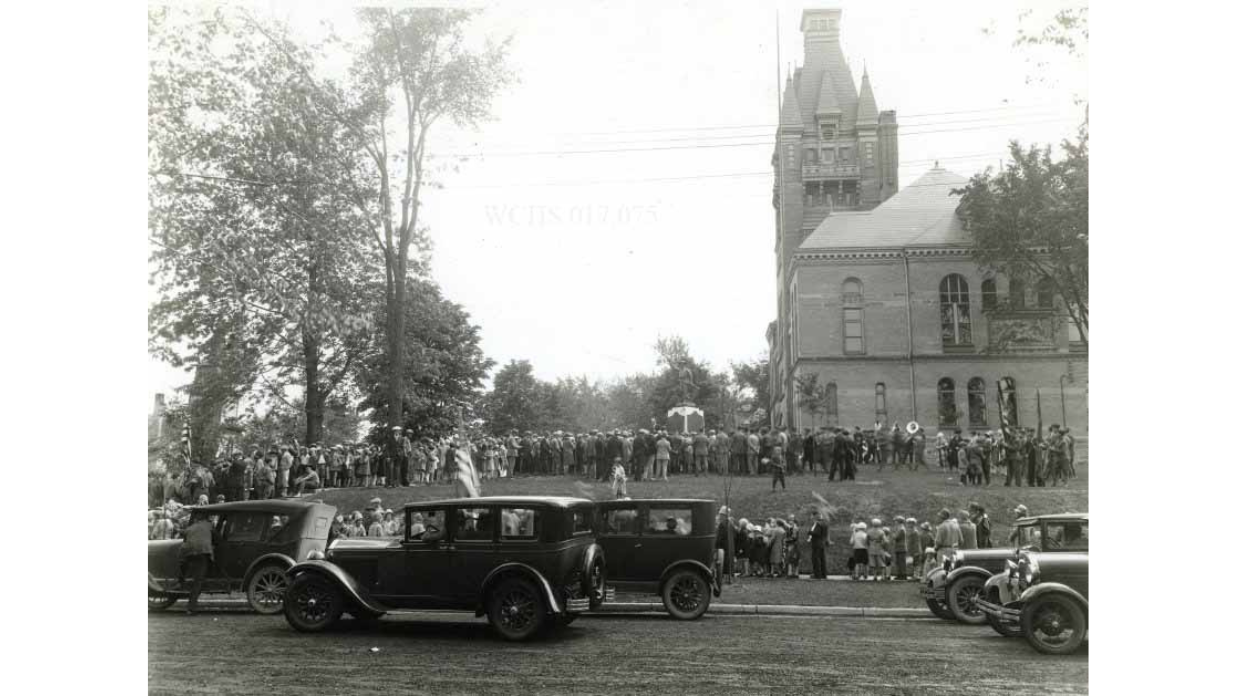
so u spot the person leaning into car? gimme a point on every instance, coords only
(196, 554)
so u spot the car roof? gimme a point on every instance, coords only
(557, 501)
(272, 506)
(685, 501)
(1054, 517)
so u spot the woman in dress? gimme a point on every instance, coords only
(858, 546)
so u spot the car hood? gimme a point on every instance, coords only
(973, 555)
(1055, 561)
(346, 545)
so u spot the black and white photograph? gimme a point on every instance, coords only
(598, 347)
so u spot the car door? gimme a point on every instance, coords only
(619, 533)
(473, 553)
(241, 542)
(667, 538)
(416, 575)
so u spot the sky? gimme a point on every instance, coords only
(623, 189)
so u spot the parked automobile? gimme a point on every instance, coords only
(257, 541)
(529, 564)
(1046, 592)
(662, 547)
(952, 590)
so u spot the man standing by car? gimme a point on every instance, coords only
(948, 536)
(196, 554)
(982, 525)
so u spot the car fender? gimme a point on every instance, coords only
(281, 558)
(340, 577)
(1000, 583)
(1046, 588)
(679, 565)
(514, 568)
(594, 553)
(956, 573)
(153, 584)
(935, 577)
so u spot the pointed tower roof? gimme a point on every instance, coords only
(791, 113)
(867, 114)
(827, 102)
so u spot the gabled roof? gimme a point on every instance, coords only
(827, 103)
(921, 214)
(868, 114)
(791, 113)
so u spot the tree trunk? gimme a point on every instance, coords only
(315, 396)
(395, 326)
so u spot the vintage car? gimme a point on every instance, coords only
(256, 542)
(1044, 595)
(952, 590)
(528, 563)
(662, 547)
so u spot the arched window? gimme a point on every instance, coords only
(955, 311)
(947, 402)
(977, 392)
(1017, 293)
(852, 317)
(1044, 294)
(830, 403)
(881, 404)
(1008, 400)
(990, 299)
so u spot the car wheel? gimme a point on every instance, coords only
(516, 610)
(1054, 625)
(266, 588)
(594, 584)
(686, 595)
(940, 610)
(157, 601)
(1007, 630)
(312, 603)
(963, 595)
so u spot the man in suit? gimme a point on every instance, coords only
(738, 451)
(721, 452)
(753, 452)
(818, 536)
(700, 447)
(809, 450)
(639, 453)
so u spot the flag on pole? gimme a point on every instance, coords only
(186, 445)
(465, 475)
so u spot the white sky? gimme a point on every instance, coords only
(578, 262)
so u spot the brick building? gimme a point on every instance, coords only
(876, 291)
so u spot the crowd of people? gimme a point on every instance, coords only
(903, 550)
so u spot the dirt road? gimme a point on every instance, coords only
(241, 653)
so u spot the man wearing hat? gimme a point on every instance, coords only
(817, 536)
(982, 526)
(1018, 512)
(914, 547)
(948, 535)
(900, 547)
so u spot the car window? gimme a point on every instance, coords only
(520, 523)
(244, 526)
(666, 521)
(474, 524)
(581, 521)
(1067, 536)
(1029, 537)
(427, 525)
(276, 529)
(619, 521)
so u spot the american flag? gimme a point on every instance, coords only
(186, 447)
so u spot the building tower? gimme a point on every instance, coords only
(835, 151)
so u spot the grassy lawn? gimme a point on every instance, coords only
(875, 494)
(834, 592)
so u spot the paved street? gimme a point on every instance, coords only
(240, 653)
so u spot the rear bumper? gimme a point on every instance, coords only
(1004, 613)
(577, 605)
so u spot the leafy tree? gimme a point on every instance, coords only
(249, 229)
(1031, 221)
(516, 401)
(752, 380)
(811, 394)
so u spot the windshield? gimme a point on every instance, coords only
(1029, 537)
(1071, 535)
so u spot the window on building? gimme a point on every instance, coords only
(1008, 400)
(955, 311)
(828, 155)
(881, 404)
(1044, 294)
(852, 316)
(1075, 337)
(947, 400)
(1017, 293)
(990, 299)
(830, 403)
(977, 392)
(869, 153)
(843, 155)
(811, 156)
(789, 155)
(828, 131)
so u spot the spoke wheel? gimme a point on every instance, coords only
(1054, 625)
(686, 595)
(963, 595)
(266, 589)
(940, 610)
(157, 601)
(312, 603)
(516, 610)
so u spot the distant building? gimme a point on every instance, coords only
(876, 289)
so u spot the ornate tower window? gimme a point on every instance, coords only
(881, 403)
(990, 299)
(955, 311)
(1044, 294)
(830, 404)
(977, 392)
(947, 402)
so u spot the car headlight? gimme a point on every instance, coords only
(315, 555)
(1027, 571)
(948, 564)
